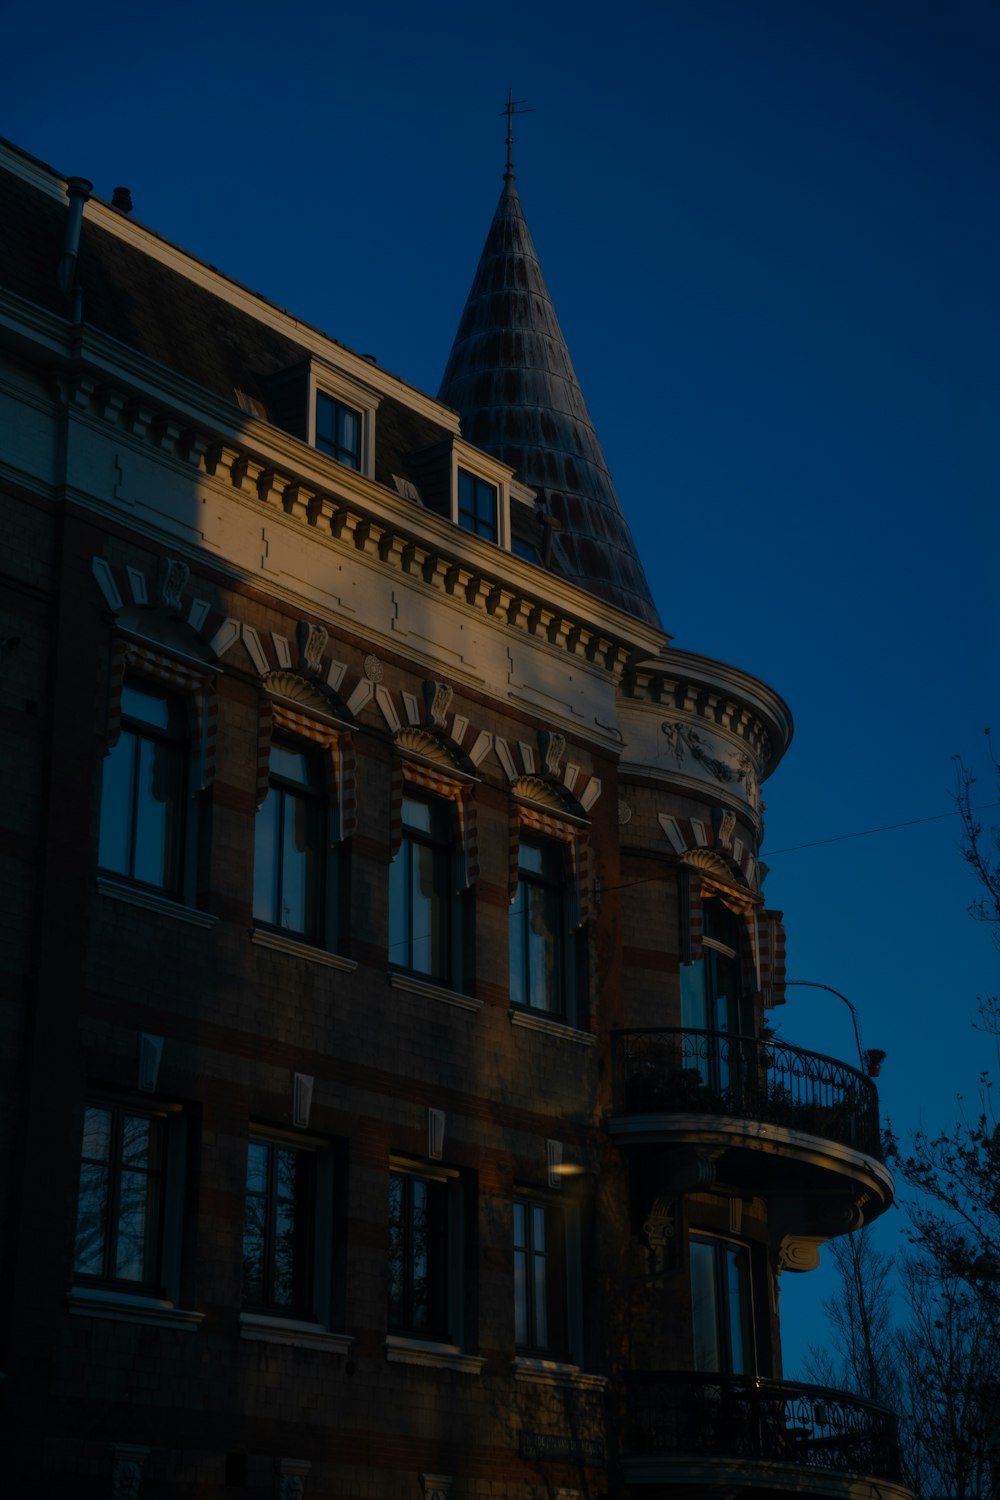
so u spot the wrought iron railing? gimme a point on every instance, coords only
(673, 1070)
(727, 1416)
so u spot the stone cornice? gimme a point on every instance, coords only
(357, 512)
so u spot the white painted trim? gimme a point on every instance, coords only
(551, 1372)
(551, 1028)
(293, 1331)
(127, 1307)
(301, 949)
(121, 890)
(441, 1356)
(400, 981)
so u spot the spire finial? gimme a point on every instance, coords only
(513, 107)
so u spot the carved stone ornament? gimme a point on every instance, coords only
(290, 1478)
(297, 688)
(437, 701)
(624, 812)
(436, 1486)
(551, 748)
(173, 581)
(127, 1462)
(724, 824)
(748, 776)
(799, 1252)
(373, 669)
(312, 644)
(659, 1229)
(684, 741)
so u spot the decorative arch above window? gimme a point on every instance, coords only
(438, 773)
(194, 684)
(293, 705)
(541, 811)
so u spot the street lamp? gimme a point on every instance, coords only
(871, 1060)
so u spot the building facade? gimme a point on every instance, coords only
(389, 1102)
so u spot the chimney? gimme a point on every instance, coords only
(121, 199)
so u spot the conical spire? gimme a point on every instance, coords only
(512, 382)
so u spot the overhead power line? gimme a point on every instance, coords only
(864, 833)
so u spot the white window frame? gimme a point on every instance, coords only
(474, 463)
(334, 383)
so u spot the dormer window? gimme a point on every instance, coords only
(478, 502)
(338, 430)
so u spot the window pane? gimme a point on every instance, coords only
(417, 815)
(254, 1242)
(97, 1134)
(704, 1309)
(134, 1215)
(297, 865)
(291, 765)
(137, 1133)
(91, 1220)
(399, 908)
(149, 706)
(397, 1252)
(265, 859)
(257, 1161)
(116, 806)
(157, 814)
(428, 912)
(544, 978)
(737, 1290)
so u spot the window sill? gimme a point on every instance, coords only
(551, 1372)
(293, 1331)
(436, 1356)
(121, 890)
(301, 949)
(127, 1307)
(537, 1022)
(433, 991)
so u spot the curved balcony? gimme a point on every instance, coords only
(769, 1116)
(759, 1432)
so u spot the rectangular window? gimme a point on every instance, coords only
(279, 1228)
(423, 930)
(548, 1300)
(541, 953)
(477, 505)
(143, 794)
(420, 1210)
(720, 1306)
(290, 844)
(122, 1205)
(338, 430)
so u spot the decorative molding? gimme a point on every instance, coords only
(255, 650)
(106, 583)
(172, 582)
(124, 1307)
(290, 1475)
(437, 701)
(299, 949)
(624, 813)
(302, 1098)
(150, 1057)
(559, 1029)
(416, 986)
(551, 748)
(799, 1252)
(441, 1356)
(373, 668)
(120, 890)
(551, 1372)
(292, 1331)
(554, 1160)
(311, 641)
(482, 747)
(660, 1230)
(435, 1133)
(127, 1464)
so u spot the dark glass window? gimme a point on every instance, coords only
(143, 804)
(420, 890)
(540, 1280)
(418, 1255)
(278, 1230)
(338, 430)
(477, 505)
(290, 843)
(720, 1306)
(710, 998)
(119, 1210)
(539, 950)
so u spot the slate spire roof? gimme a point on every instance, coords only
(510, 378)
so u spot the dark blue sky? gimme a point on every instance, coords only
(771, 231)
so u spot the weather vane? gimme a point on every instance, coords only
(513, 107)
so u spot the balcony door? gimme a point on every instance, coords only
(710, 999)
(721, 1308)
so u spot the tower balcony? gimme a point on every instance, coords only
(760, 1115)
(708, 1433)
